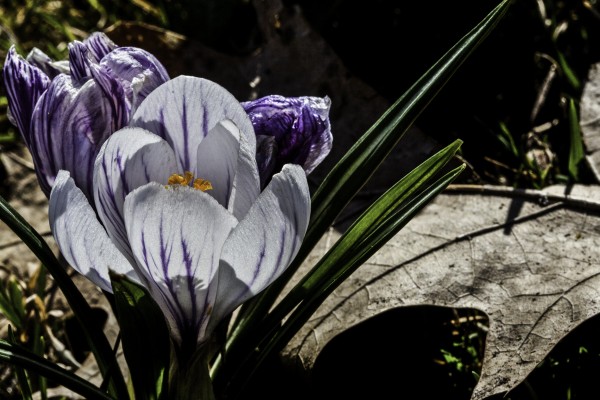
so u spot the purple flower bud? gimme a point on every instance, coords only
(66, 110)
(24, 84)
(290, 130)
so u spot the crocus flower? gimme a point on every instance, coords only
(66, 110)
(177, 206)
(290, 130)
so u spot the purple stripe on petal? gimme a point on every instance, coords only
(114, 92)
(99, 45)
(78, 61)
(46, 126)
(186, 138)
(187, 262)
(183, 231)
(69, 125)
(139, 71)
(184, 109)
(25, 84)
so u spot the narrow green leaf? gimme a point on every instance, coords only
(568, 72)
(576, 152)
(506, 138)
(20, 373)
(7, 309)
(18, 356)
(361, 161)
(94, 334)
(372, 220)
(42, 383)
(16, 298)
(145, 337)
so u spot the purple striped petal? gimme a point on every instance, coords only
(69, 125)
(25, 84)
(264, 243)
(82, 240)
(114, 92)
(176, 235)
(184, 110)
(99, 45)
(139, 69)
(300, 126)
(79, 61)
(130, 158)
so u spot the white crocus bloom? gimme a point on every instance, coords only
(178, 208)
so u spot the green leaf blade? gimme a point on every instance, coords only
(576, 152)
(20, 357)
(145, 337)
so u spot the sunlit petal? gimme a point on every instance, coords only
(184, 110)
(176, 235)
(130, 158)
(260, 249)
(82, 240)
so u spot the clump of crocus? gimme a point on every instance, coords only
(66, 110)
(177, 206)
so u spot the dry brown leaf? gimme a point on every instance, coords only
(590, 119)
(529, 259)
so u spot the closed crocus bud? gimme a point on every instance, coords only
(289, 130)
(66, 110)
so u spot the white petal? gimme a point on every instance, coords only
(246, 185)
(176, 235)
(80, 237)
(224, 158)
(264, 243)
(217, 159)
(130, 158)
(183, 111)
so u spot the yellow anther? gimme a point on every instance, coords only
(202, 184)
(178, 179)
(188, 178)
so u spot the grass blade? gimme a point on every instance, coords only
(576, 152)
(20, 357)
(21, 375)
